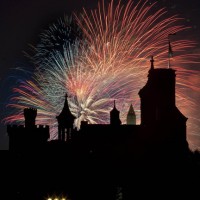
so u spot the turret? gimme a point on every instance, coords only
(65, 122)
(30, 115)
(114, 116)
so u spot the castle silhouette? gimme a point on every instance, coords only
(162, 124)
(108, 161)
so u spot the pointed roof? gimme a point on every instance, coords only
(66, 113)
(114, 110)
(131, 110)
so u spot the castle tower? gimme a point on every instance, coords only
(158, 107)
(30, 115)
(114, 116)
(131, 117)
(65, 122)
(28, 138)
(158, 96)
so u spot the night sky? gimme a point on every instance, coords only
(21, 21)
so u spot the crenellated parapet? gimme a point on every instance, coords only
(42, 126)
(30, 112)
(22, 138)
(15, 127)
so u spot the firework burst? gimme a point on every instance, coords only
(60, 34)
(110, 61)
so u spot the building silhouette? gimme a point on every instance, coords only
(162, 124)
(162, 130)
(114, 116)
(65, 122)
(28, 137)
(159, 113)
(105, 161)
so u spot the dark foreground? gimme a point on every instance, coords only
(36, 176)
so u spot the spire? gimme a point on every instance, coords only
(131, 117)
(170, 52)
(65, 122)
(114, 116)
(131, 110)
(65, 116)
(66, 106)
(152, 63)
(114, 108)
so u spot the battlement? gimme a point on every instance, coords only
(14, 126)
(42, 126)
(30, 112)
(9, 127)
(23, 138)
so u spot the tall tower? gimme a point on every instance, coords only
(158, 107)
(158, 96)
(131, 117)
(30, 115)
(114, 116)
(65, 122)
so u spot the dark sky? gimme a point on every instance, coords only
(22, 20)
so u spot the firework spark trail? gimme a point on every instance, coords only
(132, 35)
(54, 39)
(33, 96)
(110, 61)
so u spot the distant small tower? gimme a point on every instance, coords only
(131, 117)
(65, 122)
(114, 116)
(30, 115)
